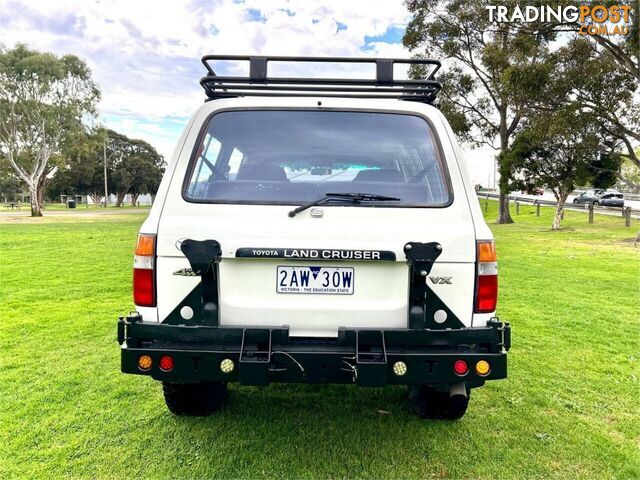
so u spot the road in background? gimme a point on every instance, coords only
(634, 204)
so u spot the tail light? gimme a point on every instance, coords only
(460, 367)
(487, 278)
(144, 278)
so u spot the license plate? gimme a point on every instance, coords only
(318, 280)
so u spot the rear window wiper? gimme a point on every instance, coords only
(351, 197)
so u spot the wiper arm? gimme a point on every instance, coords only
(352, 197)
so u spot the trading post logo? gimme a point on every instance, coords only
(593, 20)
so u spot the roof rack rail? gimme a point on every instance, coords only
(258, 83)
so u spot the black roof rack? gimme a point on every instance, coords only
(258, 83)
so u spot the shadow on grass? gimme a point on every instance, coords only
(298, 424)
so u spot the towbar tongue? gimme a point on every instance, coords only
(204, 257)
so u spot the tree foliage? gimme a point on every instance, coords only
(82, 172)
(558, 150)
(137, 166)
(593, 78)
(43, 102)
(493, 72)
(133, 167)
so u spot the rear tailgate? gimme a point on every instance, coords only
(379, 290)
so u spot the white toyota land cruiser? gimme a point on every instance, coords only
(316, 230)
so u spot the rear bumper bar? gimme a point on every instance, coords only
(261, 355)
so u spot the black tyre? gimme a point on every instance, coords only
(194, 399)
(595, 204)
(429, 403)
(575, 201)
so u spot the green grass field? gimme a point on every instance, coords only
(569, 409)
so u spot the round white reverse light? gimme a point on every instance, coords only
(227, 365)
(400, 368)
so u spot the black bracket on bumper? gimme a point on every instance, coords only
(421, 257)
(204, 257)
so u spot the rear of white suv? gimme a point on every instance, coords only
(316, 239)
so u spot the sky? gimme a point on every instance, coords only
(145, 55)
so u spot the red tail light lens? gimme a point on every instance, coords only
(487, 295)
(166, 363)
(487, 278)
(460, 367)
(144, 290)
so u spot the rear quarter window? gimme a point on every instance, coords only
(294, 156)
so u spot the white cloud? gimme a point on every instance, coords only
(145, 54)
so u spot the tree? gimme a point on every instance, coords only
(147, 179)
(629, 170)
(11, 186)
(603, 171)
(558, 150)
(624, 50)
(83, 169)
(133, 167)
(607, 92)
(137, 166)
(494, 72)
(43, 99)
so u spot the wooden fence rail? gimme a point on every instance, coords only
(626, 212)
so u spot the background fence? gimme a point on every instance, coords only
(627, 213)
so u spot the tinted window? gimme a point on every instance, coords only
(289, 157)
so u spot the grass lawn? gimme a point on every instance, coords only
(569, 409)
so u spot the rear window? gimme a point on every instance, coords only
(290, 157)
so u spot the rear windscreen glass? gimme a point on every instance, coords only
(289, 157)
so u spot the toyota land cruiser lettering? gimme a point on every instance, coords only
(316, 230)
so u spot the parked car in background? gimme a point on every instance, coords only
(531, 190)
(609, 198)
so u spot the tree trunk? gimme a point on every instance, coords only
(120, 199)
(36, 210)
(557, 218)
(40, 188)
(504, 215)
(134, 199)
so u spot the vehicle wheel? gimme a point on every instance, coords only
(575, 201)
(194, 399)
(595, 204)
(429, 403)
